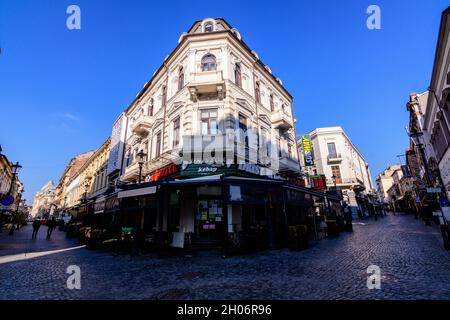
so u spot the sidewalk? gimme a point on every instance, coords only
(21, 241)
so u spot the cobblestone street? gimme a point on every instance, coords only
(413, 265)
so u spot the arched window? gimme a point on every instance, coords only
(209, 27)
(237, 75)
(258, 93)
(209, 63)
(180, 79)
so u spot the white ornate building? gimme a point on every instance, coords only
(210, 83)
(44, 201)
(341, 162)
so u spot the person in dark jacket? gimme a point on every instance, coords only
(51, 224)
(36, 226)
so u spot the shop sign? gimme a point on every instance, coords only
(297, 182)
(250, 168)
(161, 173)
(307, 150)
(433, 190)
(196, 170)
(99, 207)
(257, 170)
(112, 204)
(318, 182)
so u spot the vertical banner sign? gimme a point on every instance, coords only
(307, 150)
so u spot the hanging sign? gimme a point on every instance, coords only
(307, 150)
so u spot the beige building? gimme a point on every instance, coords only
(342, 163)
(91, 179)
(10, 183)
(211, 83)
(385, 181)
(69, 172)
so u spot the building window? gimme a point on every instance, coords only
(279, 148)
(336, 172)
(176, 132)
(209, 122)
(209, 63)
(150, 108)
(258, 93)
(209, 27)
(158, 145)
(290, 151)
(237, 75)
(164, 96)
(272, 106)
(332, 150)
(180, 79)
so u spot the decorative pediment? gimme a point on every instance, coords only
(244, 104)
(175, 106)
(265, 119)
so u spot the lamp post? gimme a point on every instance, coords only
(15, 170)
(141, 159)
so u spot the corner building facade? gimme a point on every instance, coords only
(211, 138)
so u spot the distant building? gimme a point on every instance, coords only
(385, 180)
(43, 204)
(343, 165)
(70, 171)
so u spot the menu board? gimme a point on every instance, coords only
(210, 210)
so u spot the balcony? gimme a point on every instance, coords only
(281, 120)
(206, 83)
(142, 125)
(131, 172)
(345, 182)
(288, 165)
(334, 158)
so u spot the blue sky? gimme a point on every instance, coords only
(61, 90)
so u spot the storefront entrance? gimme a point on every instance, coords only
(209, 220)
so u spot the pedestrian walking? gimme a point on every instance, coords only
(36, 226)
(51, 224)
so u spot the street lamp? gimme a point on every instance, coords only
(15, 170)
(141, 156)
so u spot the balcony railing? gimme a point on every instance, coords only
(334, 157)
(281, 120)
(142, 125)
(132, 171)
(340, 182)
(206, 83)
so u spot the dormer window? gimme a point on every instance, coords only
(209, 27)
(209, 63)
